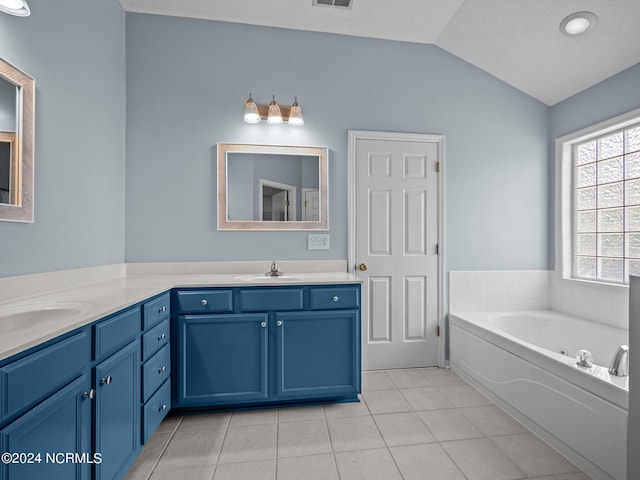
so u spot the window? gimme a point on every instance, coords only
(605, 169)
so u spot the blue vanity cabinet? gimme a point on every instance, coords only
(266, 345)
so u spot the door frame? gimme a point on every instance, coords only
(292, 189)
(354, 136)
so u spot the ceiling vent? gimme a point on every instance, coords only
(333, 3)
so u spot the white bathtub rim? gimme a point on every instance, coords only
(597, 380)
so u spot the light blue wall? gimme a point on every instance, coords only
(187, 81)
(7, 106)
(616, 95)
(75, 50)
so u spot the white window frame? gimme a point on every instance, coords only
(564, 192)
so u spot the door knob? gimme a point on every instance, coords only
(362, 266)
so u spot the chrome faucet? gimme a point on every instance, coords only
(274, 272)
(620, 363)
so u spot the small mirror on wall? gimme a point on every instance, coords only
(272, 187)
(17, 93)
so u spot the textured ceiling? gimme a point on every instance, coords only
(518, 41)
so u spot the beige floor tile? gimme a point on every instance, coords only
(367, 465)
(532, 455)
(376, 380)
(316, 467)
(297, 414)
(464, 396)
(169, 424)
(479, 459)
(341, 410)
(415, 460)
(254, 417)
(490, 420)
(190, 448)
(442, 376)
(386, 401)
(149, 456)
(203, 472)
(249, 442)
(297, 439)
(205, 421)
(449, 424)
(403, 429)
(408, 378)
(262, 470)
(354, 433)
(425, 398)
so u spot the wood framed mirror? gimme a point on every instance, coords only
(272, 187)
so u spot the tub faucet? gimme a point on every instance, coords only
(274, 272)
(620, 363)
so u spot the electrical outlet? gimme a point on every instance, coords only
(318, 241)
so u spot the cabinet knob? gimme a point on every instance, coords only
(106, 380)
(203, 301)
(162, 369)
(263, 324)
(162, 309)
(279, 323)
(161, 337)
(91, 394)
(335, 298)
(163, 407)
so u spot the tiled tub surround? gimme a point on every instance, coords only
(582, 412)
(411, 424)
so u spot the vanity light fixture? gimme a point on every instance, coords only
(578, 23)
(273, 113)
(19, 8)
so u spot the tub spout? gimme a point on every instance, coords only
(620, 362)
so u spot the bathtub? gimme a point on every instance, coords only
(525, 362)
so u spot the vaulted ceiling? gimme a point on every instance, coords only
(517, 41)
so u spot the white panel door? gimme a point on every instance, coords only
(396, 235)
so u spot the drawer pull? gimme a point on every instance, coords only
(161, 337)
(106, 380)
(263, 324)
(91, 394)
(163, 407)
(162, 369)
(162, 309)
(335, 298)
(203, 302)
(279, 323)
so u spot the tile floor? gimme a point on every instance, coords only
(411, 424)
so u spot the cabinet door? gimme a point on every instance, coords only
(221, 359)
(117, 427)
(59, 425)
(318, 354)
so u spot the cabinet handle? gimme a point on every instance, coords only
(263, 324)
(91, 394)
(106, 380)
(162, 309)
(161, 337)
(162, 369)
(335, 298)
(203, 302)
(163, 407)
(279, 323)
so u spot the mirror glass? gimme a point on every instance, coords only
(17, 92)
(269, 187)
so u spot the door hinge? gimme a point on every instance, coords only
(437, 249)
(286, 203)
(437, 330)
(437, 167)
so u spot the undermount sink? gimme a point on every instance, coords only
(34, 315)
(261, 277)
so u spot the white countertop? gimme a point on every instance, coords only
(97, 299)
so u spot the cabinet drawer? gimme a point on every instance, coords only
(155, 311)
(36, 376)
(155, 371)
(325, 298)
(266, 299)
(155, 410)
(115, 332)
(205, 301)
(154, 339)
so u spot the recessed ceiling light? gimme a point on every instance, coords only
(15, 7)
(578, 23)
